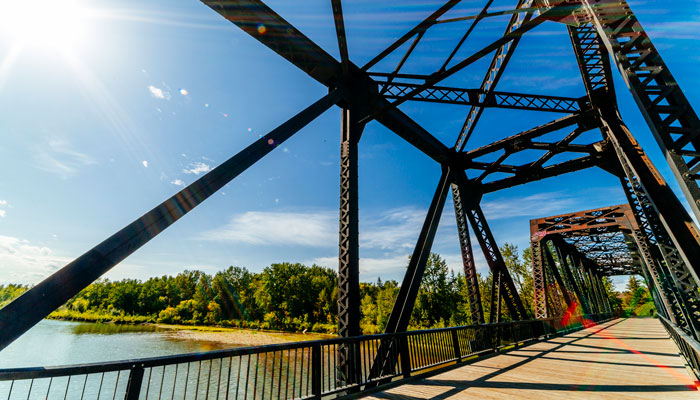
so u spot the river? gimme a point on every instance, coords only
(53, 342)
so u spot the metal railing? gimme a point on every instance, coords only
(689, 347)
(301, 370)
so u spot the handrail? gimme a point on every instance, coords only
(689, 347)
(297, 370)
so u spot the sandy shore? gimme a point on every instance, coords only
(239, 337)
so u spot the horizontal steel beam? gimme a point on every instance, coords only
(475, 97)
(524, 176)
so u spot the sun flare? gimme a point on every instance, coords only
(50, 24)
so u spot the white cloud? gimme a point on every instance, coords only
(59, 157)
(197, 168)
(3, 202)
(159, 93)
(278, 228)
(145, 163)
(178, 182)
(536, 205)
(3, 213)
(397, 228)
(26, 263)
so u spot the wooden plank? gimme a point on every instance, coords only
(621, 359)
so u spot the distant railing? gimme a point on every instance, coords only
(302, 370)
(689, 347)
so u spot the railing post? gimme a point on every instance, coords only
(133, 388)
(455, 344)
(316, 370)
(405, 356)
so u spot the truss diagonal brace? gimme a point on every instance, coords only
(490, 249)
(668, 112)
(403, 305)
(470, 275)
(35, 304)
(674, 218)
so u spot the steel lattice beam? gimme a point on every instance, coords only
(476, 97)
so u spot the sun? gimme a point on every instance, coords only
(48, 24)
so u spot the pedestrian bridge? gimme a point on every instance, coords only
(573, 356)
(620, 359)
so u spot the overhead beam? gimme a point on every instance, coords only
(553, 13)
(512, 142)
(287, 41)
(499, 61)
(420, 28)
(476, 97)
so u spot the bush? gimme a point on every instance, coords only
(169, 316)
(646, 310)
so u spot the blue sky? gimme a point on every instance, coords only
(109, 111)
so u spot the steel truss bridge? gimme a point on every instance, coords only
(652, 235)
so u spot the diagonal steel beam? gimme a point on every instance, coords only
(470, 276)
(340, 34)
(35, 304)
(524, 136)
(287, 41)
(493, 74)
(418, 29)
(553, 13)
(262, 23)
(406, 298)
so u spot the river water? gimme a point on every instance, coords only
(53, 342)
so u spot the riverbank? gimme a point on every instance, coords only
(238, 336)
(219, 334)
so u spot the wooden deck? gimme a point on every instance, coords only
(621, 359)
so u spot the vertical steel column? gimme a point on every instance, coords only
(594, 289)
(539, 280)
(590, 289)
(565, 291)
(348, 257)
(562, 255)
(472, 280)
(553, 294)
(603, 293)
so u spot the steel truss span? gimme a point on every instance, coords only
(653, 235)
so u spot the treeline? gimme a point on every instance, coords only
(285, 296)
